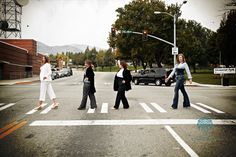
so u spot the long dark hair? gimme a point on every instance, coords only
(47, 60)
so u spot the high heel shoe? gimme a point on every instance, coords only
(39, 107)
(55, 106)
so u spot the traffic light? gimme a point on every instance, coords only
(113, 32)
(145, 35)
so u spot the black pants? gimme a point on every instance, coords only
(121, 95)
(86, 93)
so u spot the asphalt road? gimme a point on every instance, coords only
(150, 128)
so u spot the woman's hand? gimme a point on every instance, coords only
(86, 79)
(166, 80)
(190, 81)
(123, 81)
(44, 78)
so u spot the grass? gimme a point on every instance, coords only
(203, 76)
(208, 77)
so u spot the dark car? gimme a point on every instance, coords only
(66, 72)
(55, 74)
(153, 75)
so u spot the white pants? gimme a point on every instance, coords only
(46, 87)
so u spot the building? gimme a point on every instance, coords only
(19, 58)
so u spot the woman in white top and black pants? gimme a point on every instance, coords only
(179, 70)
(46, 86)
(122, 84)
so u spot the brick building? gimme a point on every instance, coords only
(19, 58)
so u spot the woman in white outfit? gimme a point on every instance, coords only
(46, 86)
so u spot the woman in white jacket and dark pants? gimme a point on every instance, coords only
(46, 86)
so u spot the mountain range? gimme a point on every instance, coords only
(75, 48)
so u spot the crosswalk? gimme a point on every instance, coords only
(150, 108)
(4, 106)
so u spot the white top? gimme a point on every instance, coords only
(181, 66)
(45, 71)
(120, 73)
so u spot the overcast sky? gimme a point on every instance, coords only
(61, 22)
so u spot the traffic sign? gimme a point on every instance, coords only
(224, 71)
(175, 50)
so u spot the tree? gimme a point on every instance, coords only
(109, 58)
(100, 57)
(226, 38)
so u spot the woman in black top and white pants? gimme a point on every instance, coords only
(122, 84)
(89, 87)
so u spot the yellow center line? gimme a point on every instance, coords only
(7, 127)
(14, 128)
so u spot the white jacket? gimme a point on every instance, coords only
(45, 71)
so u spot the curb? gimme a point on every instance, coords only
(19, 83)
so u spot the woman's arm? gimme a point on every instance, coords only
(188, 71)
(172, 73)
(48, 71)
(89, 74)
(127, 76)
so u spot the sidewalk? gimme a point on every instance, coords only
(207, 85)
(30, 80)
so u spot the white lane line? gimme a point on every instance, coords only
(130, 122)
(7, 106)
(211, 108)
(104, 108)
(2, 104)
(146, 108)
(45, 111)
(158, 107)
(200, 109)
(91, 110)
(181, 142)
(35, 109)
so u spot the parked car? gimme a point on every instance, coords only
(153, 75)
(66, 72)
(61, 74)
(55, 74)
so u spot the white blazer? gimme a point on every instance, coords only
(45, 71)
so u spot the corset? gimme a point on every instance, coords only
(180, 71)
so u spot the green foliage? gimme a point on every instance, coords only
(139, 15)
(99, 58)
(226, 38)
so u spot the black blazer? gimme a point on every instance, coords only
(127, 77)
(90, 75)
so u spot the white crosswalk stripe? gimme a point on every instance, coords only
(35, 109)
(210, 108)
(91, 110)
(104, 108)
(158, 107)
(7, 106)
(146, 108)
(181, 142)
(200, 109)
(45, 111)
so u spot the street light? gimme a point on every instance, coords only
(174, 16)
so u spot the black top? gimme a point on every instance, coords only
(179, 71)
(127, 77)
(90, 75)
